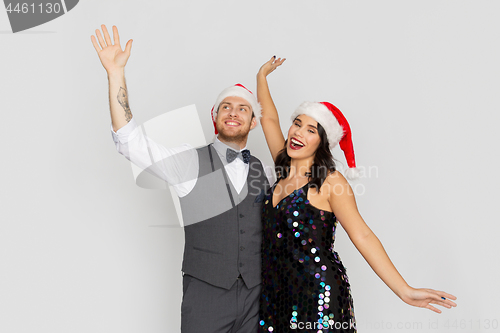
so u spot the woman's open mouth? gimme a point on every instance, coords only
(295, 144)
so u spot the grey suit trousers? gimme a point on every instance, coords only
(219, 310)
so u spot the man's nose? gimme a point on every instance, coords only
(232, 112)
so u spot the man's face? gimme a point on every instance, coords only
(234, 119)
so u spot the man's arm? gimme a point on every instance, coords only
(113, 59)
(118, 100)
(178, 166)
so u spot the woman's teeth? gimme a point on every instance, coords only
(296, 143)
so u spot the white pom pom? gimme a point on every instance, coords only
(353, 173)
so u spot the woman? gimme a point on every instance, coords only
(304, 284)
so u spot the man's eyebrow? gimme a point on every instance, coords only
(229, 103)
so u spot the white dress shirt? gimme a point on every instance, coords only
(179, 166)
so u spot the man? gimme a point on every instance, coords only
(220, 187)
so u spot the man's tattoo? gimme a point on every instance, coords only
(123, 100)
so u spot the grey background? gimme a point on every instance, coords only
(418, 81)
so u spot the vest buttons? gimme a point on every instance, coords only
(241, 264)
(242, 248)
(242, 231)
(241, 215)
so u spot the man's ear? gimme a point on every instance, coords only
(253, 123)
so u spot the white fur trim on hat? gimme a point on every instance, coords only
(238, 91)
(352, 173)
(324, 117)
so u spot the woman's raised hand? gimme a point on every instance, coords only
(111, 55)
(270, 66)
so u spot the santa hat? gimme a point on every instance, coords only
(237, 90)
(336, 127)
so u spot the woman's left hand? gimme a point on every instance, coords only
(423, 298)
(270, 66)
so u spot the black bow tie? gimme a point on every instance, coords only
(231, 155)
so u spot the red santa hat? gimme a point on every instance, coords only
(237, 90)
(336, 127)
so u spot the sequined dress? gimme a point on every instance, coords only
(304, 284)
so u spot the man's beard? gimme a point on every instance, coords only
(242, 136)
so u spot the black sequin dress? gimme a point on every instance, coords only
(304, 284)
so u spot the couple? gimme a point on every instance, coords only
(302, 285)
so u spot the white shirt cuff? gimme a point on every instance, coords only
(122, 135)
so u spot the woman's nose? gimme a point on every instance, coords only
(298, 131)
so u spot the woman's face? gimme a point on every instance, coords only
(303, 137)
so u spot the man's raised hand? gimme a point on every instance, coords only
(111, 55)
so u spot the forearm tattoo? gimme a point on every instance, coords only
(123, 100)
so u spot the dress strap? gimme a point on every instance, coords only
(306, 188)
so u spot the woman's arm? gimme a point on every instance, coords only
(343, 204)
(270, 121)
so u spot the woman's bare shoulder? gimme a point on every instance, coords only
(335, 178)
(335, 184)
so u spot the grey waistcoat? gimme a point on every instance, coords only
(223, 228)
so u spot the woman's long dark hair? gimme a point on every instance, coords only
(323, 162)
